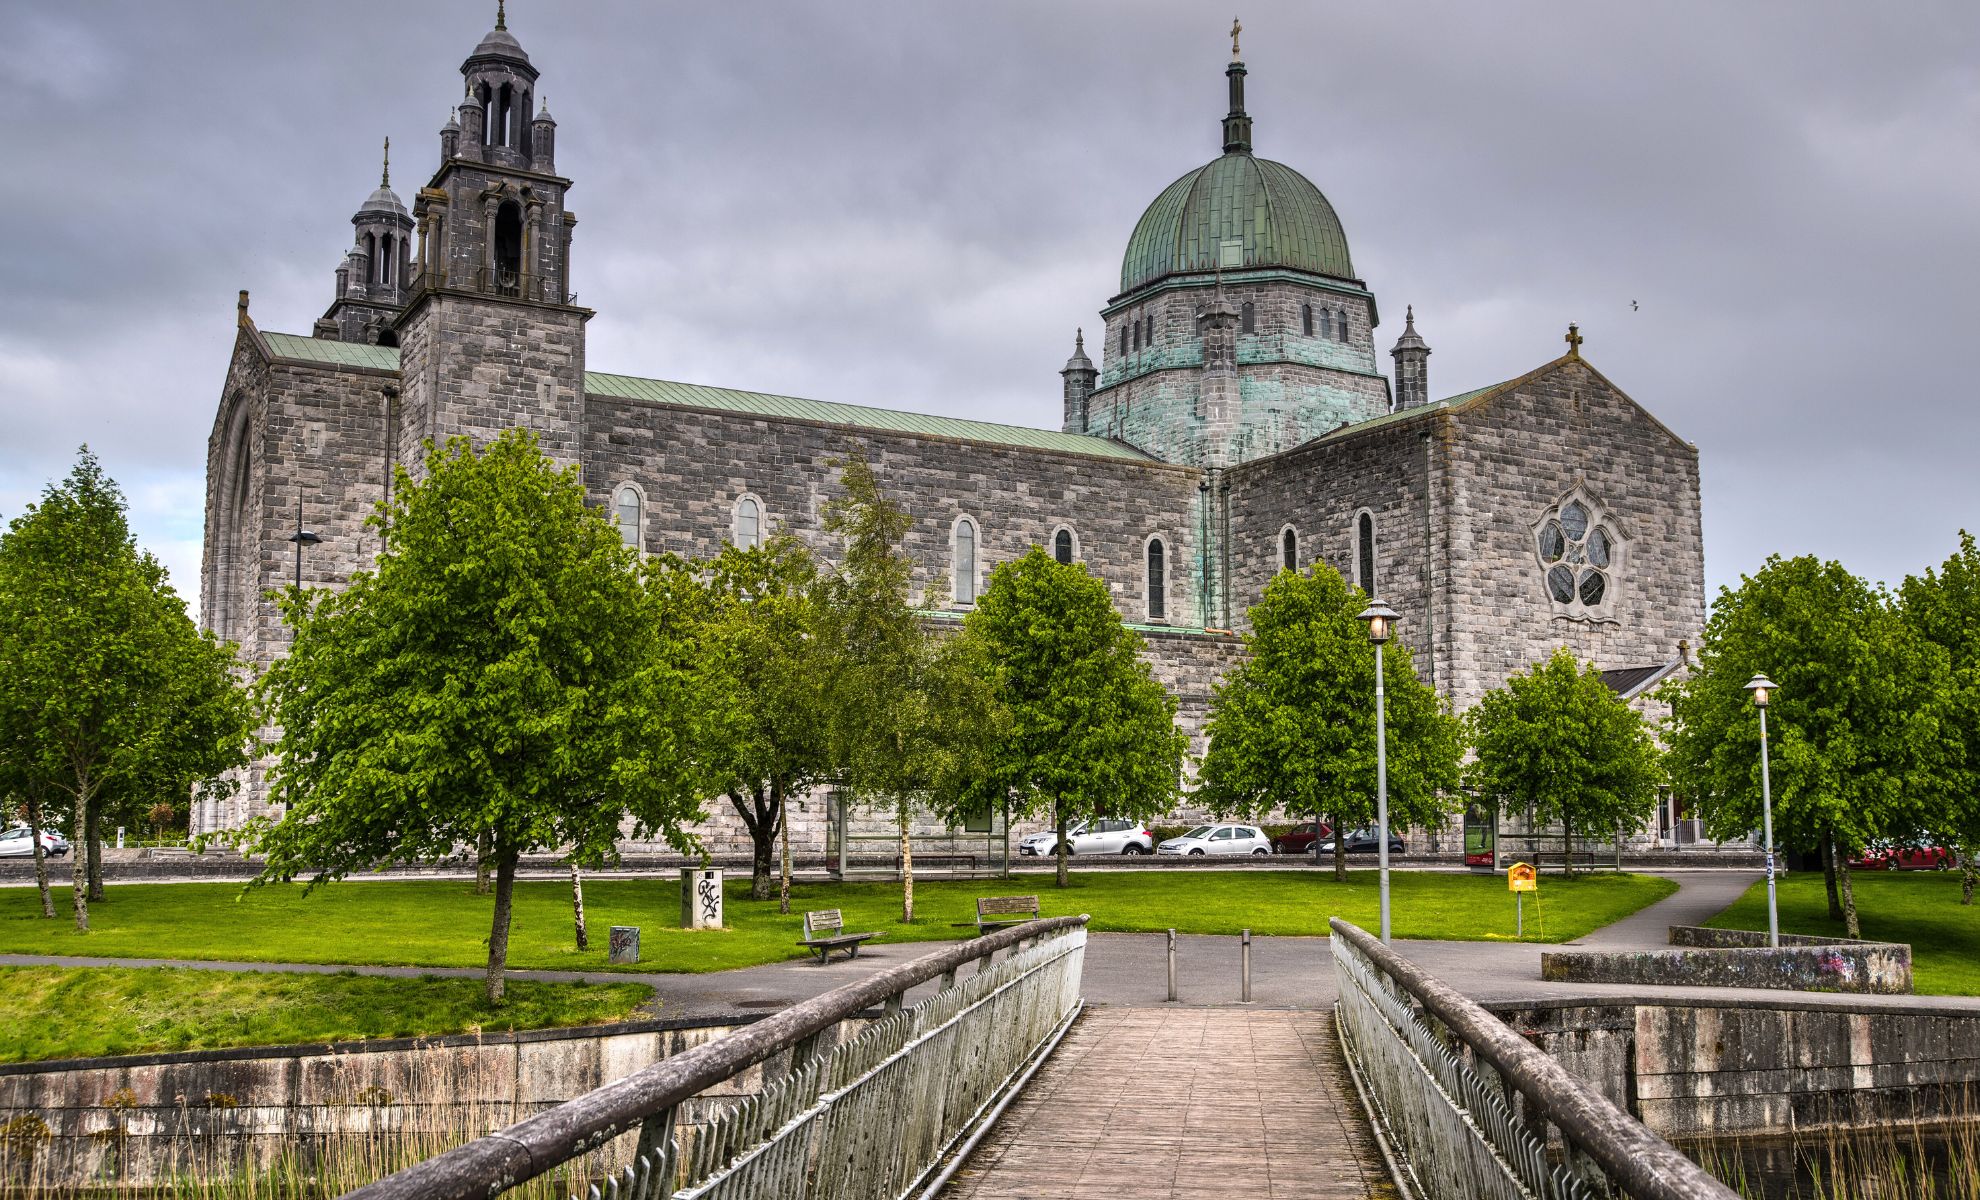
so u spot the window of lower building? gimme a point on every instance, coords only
(1364, 552)
(749, 523)
(963, 560)
(1158, 581)
(627, 514)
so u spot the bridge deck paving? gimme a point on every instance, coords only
(1174, 1102)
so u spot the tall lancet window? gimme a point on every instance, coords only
(1364, 552)
(627, 514)
(963, 556)
(749, 523)
(1158, 580)
(1289, 550)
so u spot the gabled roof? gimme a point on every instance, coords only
(757, 404)
(1630, 682)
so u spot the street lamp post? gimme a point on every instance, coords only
(1762, 688)
(1381, 620)
(301, 537)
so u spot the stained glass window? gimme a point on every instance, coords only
(1289, 551)
(1062, 546)
(1364, 553)
(1592, 587)
(1158, 598)
(1560, 582)
(1577, 549)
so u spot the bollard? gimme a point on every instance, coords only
(1172, 965)
(1244, 993)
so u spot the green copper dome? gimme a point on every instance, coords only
(1268, 211)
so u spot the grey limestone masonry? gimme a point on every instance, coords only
(475, 365)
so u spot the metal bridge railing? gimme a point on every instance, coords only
(870, 1112)
(1473, 1110)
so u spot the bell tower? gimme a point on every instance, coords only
(372, 279)
(491, 336)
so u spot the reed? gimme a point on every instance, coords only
(1914, 1160)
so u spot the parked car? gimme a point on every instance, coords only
(1218, 839)
(15, 843)
(1905, 858)
(1108, 835)
(1301, 839)
(1363, 841)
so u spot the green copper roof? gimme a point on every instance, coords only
(758, 404)
(1273, 213)
(330, 353)
(761, 404)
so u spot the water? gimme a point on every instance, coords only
(1888, 1162)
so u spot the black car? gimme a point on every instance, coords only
(1362, 841)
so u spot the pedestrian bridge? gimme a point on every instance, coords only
(995, 1082)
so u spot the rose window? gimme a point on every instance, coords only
(1579, 552)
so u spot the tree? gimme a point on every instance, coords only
(1557, 741)
(764, 641)
(1087, 729)
(1293, 727)
(1855, 722)
(508, 668)
(111, 693)
(1943, 607)
(910, 720)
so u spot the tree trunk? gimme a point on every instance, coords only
(1317, 823)
(577, 906)
(1063, 847)
(907, 866)
(481, 853)
(759, 806)
(1567, 847)
(784, 873)
(48, 902)
(1828, 853)
(1850, 925)
(1340, 850)
(1969, 869)
(498, 933)
(79, 866)
(95, 853)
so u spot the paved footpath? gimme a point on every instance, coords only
(1148, 1103)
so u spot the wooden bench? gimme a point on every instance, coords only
(825, 931)
(995, 912)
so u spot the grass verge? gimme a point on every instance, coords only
(79, 1012)
(1921, 908)
(442, 923)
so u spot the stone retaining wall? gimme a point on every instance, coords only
(141, 1119)
(1737, 1066)
(1742, 959)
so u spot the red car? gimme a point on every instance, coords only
(1300, 840)
(1905, 858)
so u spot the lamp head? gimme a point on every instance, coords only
(304, 537)
(1762, 689)
(1380, 619)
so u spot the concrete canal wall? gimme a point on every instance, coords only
(1738, 1066)
(1741, 958)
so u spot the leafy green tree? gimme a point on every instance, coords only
(1293, 727)
(1856, 723)
(1087, 729)
(1943, 606)
(508, 668)
(1558, 742)
(910, 721)
(764, 639)
(110, 692)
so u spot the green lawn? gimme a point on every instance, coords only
(76, 1012)
(443, 923)
(1918, 907)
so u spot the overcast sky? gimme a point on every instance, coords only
(913, 204)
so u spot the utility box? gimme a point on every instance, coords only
(624, 945)
(701, 898)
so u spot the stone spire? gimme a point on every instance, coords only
(385, 172)
(1412, 355)
(1079, 377)
(1237, 126)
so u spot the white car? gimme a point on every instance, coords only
(14, 843)
(1218, 839)
(1108, 835)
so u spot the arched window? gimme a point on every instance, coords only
(1124, 339)
(1326, 323)
(1341, 324)
(1136, 325)
(1288, 549)
(388, 257)
(628, 514)
(1063, 548)
(504, 109)
(1306, 319)
(748, 533)
(1158, 580)
(508, 248)
(1148, 331)
(963, 560)
(1364, 552)
(1247, 318)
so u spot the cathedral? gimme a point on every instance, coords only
(1239, 420)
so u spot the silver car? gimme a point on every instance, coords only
(1218, 839)
(1108, 835)
(15, 843)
